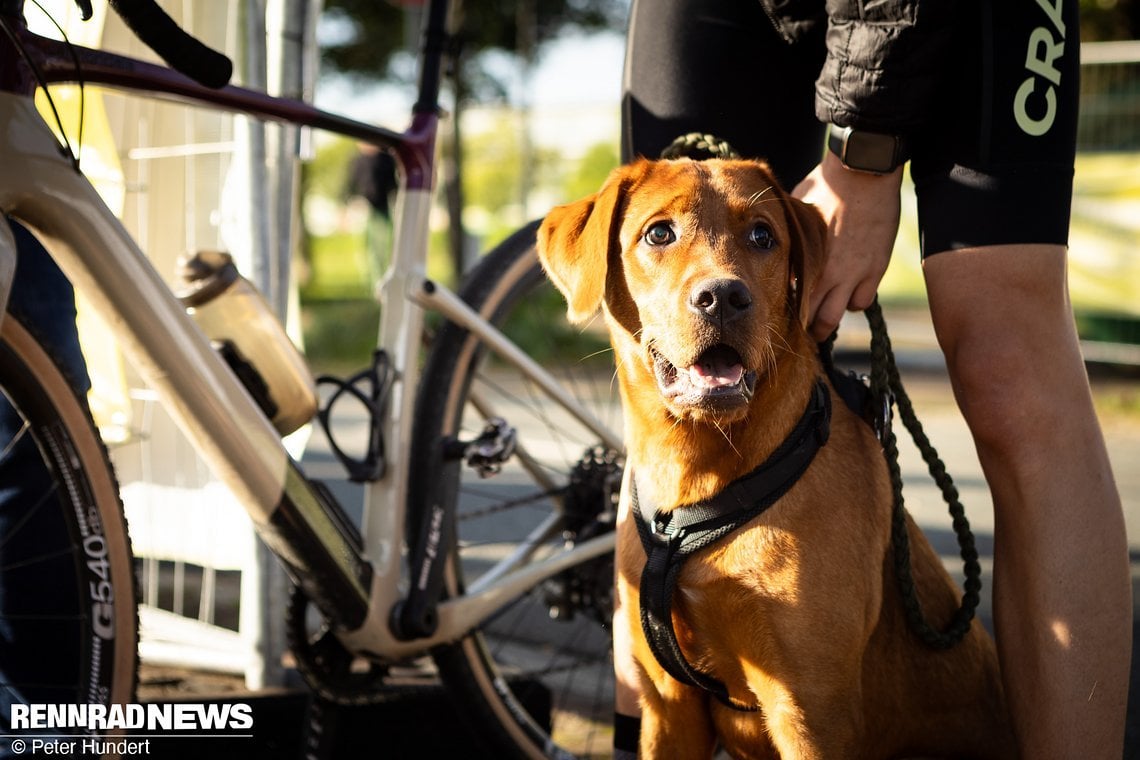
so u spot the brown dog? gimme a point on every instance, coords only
(701, 269)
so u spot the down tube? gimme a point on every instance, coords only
(97, 254)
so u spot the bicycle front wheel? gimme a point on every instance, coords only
(68, 616)
(537, 679)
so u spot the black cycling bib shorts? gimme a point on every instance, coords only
(993, 164)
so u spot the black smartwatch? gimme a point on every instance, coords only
(870, 152)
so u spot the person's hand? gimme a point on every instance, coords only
(862, 214)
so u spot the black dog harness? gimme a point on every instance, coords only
(671, 538)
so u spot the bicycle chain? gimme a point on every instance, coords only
(327, 666)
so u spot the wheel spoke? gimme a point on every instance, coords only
(62, 532)
(549, 648)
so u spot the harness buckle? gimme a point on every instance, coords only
(659, 534)
(884, 415)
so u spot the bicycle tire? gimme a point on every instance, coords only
(73, 532)
(510, 675)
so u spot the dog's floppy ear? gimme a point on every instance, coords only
(574, 243)
(809, 253)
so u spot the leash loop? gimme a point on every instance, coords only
(887, 385)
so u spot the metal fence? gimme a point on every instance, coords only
(1110, 97)
(1104, 272)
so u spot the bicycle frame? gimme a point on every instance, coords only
(356, 587)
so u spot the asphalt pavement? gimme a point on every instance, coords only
(1116, 391)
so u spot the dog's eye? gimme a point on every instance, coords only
(761, 237)
(660, 233)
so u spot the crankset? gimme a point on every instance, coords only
(329, 669)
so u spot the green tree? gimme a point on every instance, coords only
(374, 37)
(593, 168)
(327, 173)
(1110, 20)
(494, 162)
(373, 33)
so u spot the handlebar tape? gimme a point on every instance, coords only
(180, 50)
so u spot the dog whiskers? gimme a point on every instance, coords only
(728, 439)
(599, 352)
(768, 359)
(756, 197)
(590, 323)
(618, 362)
(776, 335)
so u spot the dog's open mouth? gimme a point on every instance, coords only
(718, 375)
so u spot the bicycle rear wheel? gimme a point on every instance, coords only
(68, 615)
(536, 680)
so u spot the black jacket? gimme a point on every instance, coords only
(885, 58)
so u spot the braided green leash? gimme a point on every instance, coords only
(887, 385)
(698, 146)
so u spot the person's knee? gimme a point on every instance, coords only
(995, 383)
(1005, 326)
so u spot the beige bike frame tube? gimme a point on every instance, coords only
(42, 188)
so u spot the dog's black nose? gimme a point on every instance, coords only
(720, 300)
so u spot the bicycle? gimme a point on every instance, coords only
(425, 576)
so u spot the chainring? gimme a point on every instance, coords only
(330, 670)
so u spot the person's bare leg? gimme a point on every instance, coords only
(627, 690)
(1062, 593)
(627, 680)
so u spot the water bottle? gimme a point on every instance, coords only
(243, 328)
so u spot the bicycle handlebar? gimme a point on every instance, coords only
(179, 49)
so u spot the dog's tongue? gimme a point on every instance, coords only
(717, 368)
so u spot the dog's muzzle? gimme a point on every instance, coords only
(716, 378)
